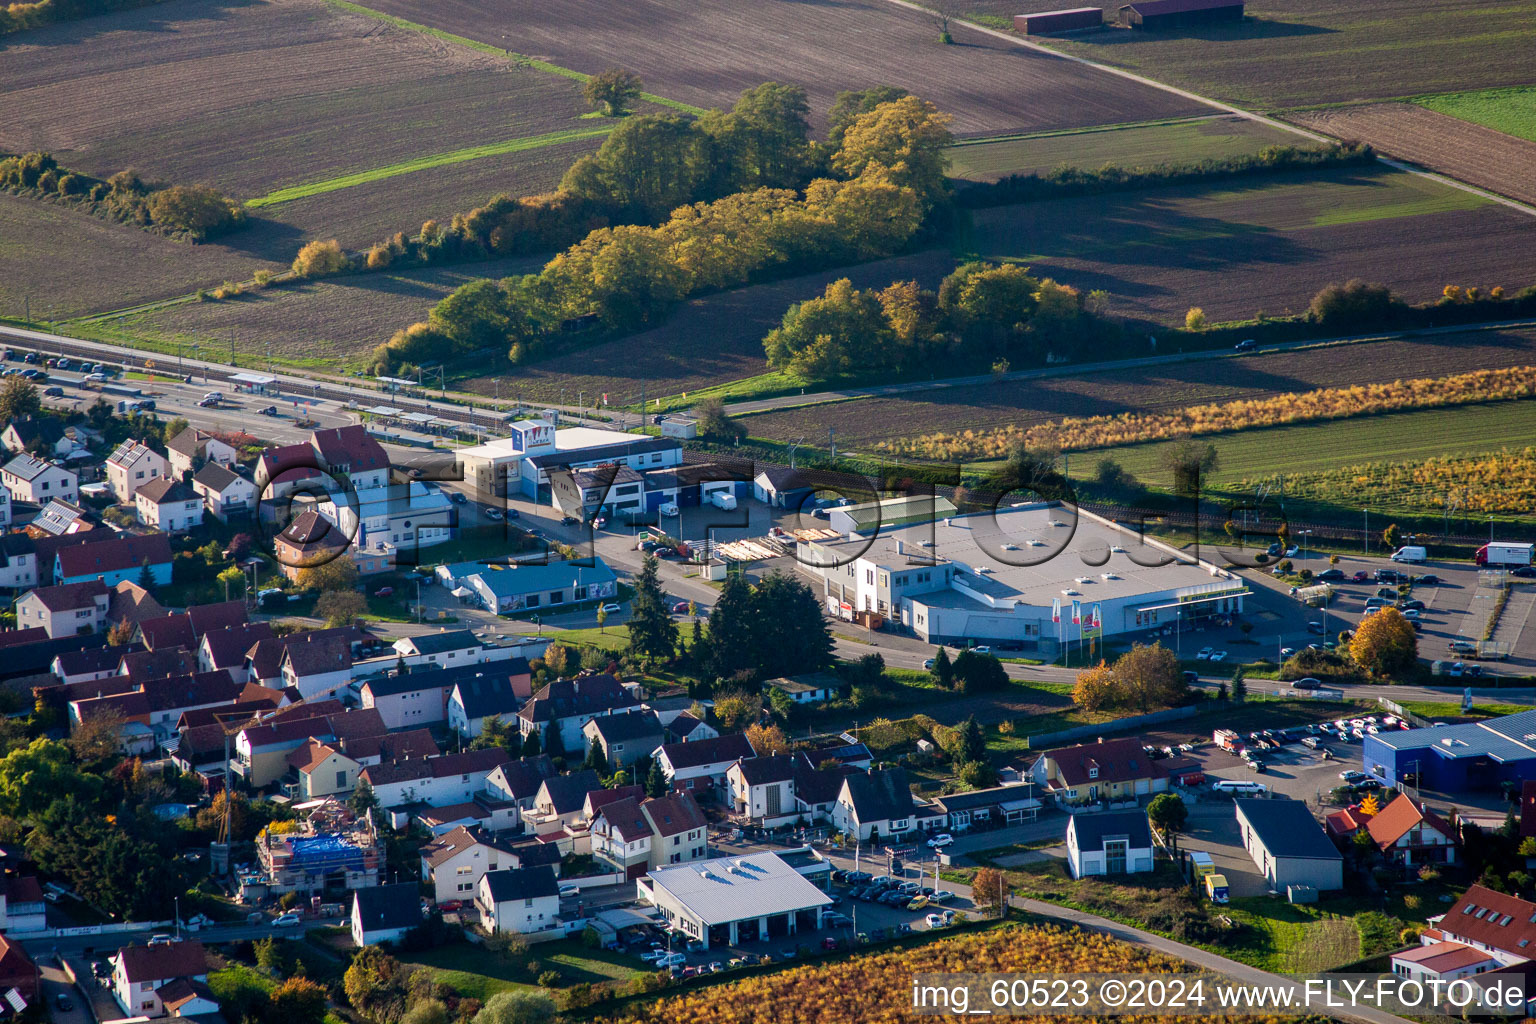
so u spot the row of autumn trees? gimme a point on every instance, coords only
(736, 197)
(981, 311)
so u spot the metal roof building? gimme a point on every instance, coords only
(1449, 758)
(735, 899)
(1288, 845)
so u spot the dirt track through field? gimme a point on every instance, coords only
(867, 421)
(1474, 154)
(706, 52)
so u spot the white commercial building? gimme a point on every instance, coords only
(1016, 576)
(731, 900)
(521, 462)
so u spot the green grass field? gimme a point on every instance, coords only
(423, 163)
(1319, 447)
(479, 973)
(1512, 111)
(1132, 145)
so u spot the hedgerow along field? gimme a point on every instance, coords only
(1263, 245)
(1473, 153)
(707, 52)
(1189, 140)
(1292, 53)
(863, 423)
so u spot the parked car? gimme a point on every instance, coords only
(493, 515)
(1351, 776)
(1412, 605)
(941, 840)
(934, 920)
(1329, 575)
(458, 497)
(1308, 683)
(611, 608)
(160, 940)
(1218, 656)
(1361, 577)
(1287, 653)
(671, 960)
(54, 392)
(1204, 654)
(288, 920)
(1429, 579)
(569, 520)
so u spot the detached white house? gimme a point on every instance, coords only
(225, 493)
(32, 479)
(453, 863)
(1110, 843)
(384, 913)
(522, 900)
(170, 978)
(192, 445)
(874, 804)
(169, 506)
(132, 465)
(65, 610)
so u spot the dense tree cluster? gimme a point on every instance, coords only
(1143, 678)
(982, 312)
(731, 184)
(196, 212)
(775, 628)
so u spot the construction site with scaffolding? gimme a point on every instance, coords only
(328, 852)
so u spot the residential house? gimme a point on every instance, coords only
(483, 812)
(405, 745)
(1288, 845)
(453, 863)
(1109, 770)
(18, 561)
(185, 629)
(116, 560)
(531, 588)
(157, 704)
(28, 478)
(317, 665)
(700, 766)
(264, 661)
(1410, 836)
(1111, 843)
(321, 769)
(225, 494)
(310, 540)
(621, 838)
(684, 728)
(1492, 922)
(65, 609)
(408, 699)
(384, 913)
(225, 648)
(169, 506)
(353, 453)
(132, 465)
(1443, 961)
(560, 711)
(32, 434)
(874, 804)
(261, 749)
(145, 979)
(5, 508)
(436, 781)
(90, 664)
(61, 518)
(133, 604)
(22, 906)
(635, 835)
(522, 900)
(519, 781)
(1000, 805)
(450, 648)
(679, 830)
(626, 737)
(193, 446)
(18, 973)
(813, 688)
(763, 789)
(560, 801)
(493, 693)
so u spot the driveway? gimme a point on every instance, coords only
(55, 985)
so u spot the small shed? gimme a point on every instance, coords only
(1046, 23)
(1171, 14)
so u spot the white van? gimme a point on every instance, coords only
(1411, 553)
(668, 509)
(1242, 788)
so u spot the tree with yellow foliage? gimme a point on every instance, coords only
(1370, 806)
(1096, 688)
(1385, 644)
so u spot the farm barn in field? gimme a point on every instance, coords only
(1051, 22)
(1167, 14)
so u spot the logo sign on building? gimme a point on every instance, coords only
(1095, 625)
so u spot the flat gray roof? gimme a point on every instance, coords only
(736, 888)
(1075, 552)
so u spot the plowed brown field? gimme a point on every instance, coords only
(1481, 156)
(869, 420)
(705, 52)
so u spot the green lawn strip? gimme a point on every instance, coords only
(479, 973)
(1511, 111)
(496, 51)
(1452, 709)
(423, 163)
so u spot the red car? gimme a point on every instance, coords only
(384, 592)
(450, 906)
(1361, 577)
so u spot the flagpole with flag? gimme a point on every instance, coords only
(1056, 619)
(1077, 620)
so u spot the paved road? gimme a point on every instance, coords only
(1076, 369)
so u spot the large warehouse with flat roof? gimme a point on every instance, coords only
(995, 578)
(735, 899)
(1449, 758)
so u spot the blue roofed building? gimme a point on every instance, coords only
(529, 588)
(1450, 758)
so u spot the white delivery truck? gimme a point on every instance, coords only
(1502, 553)
(1411, 553)
(723, 499)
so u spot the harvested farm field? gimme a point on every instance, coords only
(1480, 156)
(70, 263)
(706, 52)
(342, 318)
(705, 341)
(1264, 244)
(1291, 53)
(865, 422)
(1135, 145)
(254, 95)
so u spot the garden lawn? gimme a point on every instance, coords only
(479, 973)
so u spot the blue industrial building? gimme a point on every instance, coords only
(1450, 758)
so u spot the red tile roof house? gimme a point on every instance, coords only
(17, 970)
(114, 561)
(1411, 836)
(225, 648)
(169, 506)
(1110, 771)
(66, 609)
(1492, 922)
(158, 704)
(154, 981)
